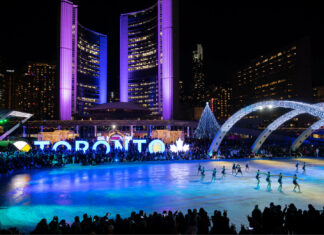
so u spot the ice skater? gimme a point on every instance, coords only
(258, 179)
(223, 172)
(239, 170)
(268, 181)
(304, 168)
(214, 175)
(295, 183)
(202, 173)
(297, 165)
(247, 167)
(199, 169)
(233, 168)
(280, 182)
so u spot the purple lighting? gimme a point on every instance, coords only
(123, 58)
(103, 70)
(167, 57)
(66, 60)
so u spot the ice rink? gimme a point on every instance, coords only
(26, 198)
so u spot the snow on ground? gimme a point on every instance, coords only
(26, 198)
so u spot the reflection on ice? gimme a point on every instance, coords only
(121, 188)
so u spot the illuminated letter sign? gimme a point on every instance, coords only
(57, 144)
(126, 142)
(79, 142)
(118, 145)
(139, 144)
(42, 144)
(94, 147)
(156, 146)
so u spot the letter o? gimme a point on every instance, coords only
(156, 142)
(57, 144)
(94, 147)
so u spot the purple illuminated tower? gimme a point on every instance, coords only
(148, 58)
(83, 65)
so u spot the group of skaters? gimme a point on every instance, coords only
(237, 169)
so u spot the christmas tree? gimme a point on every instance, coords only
(207, 126)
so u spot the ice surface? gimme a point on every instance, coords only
(26, 198)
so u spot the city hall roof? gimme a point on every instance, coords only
(119, 105)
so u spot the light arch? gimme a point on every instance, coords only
(306, 133)
(307, 108)
(274, 125)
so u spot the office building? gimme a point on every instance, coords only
(149, 58)
(283, 74)
(318, 94)
(83, 65)
(8, 79)
(199, 80)
(220, 102)
(36, 91)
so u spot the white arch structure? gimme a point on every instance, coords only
(307, 108)
(274, 125)
(303, 136)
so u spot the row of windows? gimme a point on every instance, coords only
(87, 86)
(270, 84)
(87, 99)
(141, 67)
(141, 38)
(142, 22)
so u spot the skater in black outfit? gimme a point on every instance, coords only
(233, 168)
(304, 168)
(199, 169)
(223, 172)
(214, 175)
(258, 179)
(239, 170)
(247, 167)
(280, 182)
(295, 183)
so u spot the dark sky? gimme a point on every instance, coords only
(231, 33)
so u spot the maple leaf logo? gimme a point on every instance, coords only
(179, 146)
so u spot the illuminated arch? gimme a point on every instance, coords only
(274, 125)
(303, 136)
(307, 108)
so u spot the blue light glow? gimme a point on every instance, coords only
(81, 142)
(139, 143)
(117, 145)
(94, 147)
(57, 144)
(41, 144)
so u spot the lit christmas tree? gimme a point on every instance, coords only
(207, 126)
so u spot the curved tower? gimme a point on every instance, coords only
(83, 65)
(91, 84)
(148, 61)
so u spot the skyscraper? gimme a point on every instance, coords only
(199, 81)
(83, 65)
(36, 91)
(148, 58)
(220, 102)
(282, 74)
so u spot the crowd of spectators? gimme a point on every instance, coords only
(36, 158)
(272, 220)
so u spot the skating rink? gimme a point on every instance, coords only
(26, 198)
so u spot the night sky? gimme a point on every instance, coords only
(231, 33)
